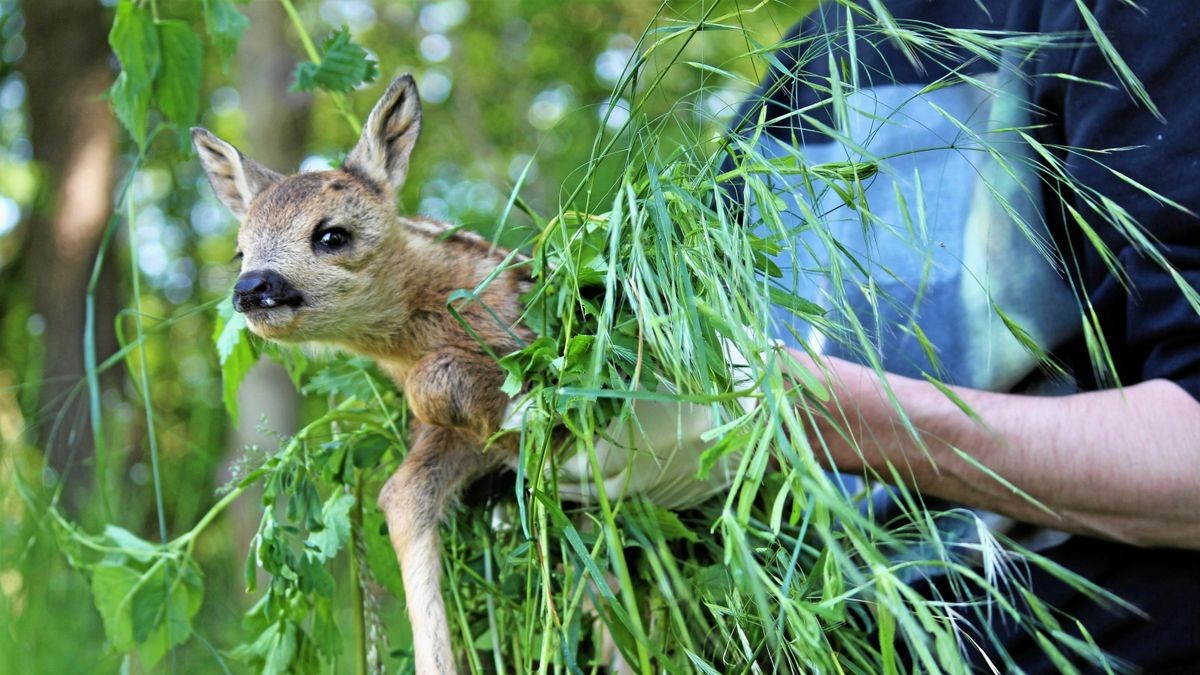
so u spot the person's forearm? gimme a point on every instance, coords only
(1122, 464)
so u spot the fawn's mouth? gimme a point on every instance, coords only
(274, 321)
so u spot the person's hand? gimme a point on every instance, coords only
(653, 452)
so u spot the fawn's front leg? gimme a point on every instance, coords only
(439, 463)
(455, 395)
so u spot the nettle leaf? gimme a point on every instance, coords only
(230, 330)
(113, 586)
(135, 42)
(225, 26)
(177, 87)
(131, 104)
(150, 611)
(335, 515)
(349, 378)
(235, 351)
(344, 66)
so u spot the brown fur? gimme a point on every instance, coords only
(384, 295)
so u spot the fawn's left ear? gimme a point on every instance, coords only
(389, 135)
(235, 179)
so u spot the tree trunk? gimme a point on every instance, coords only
(73, 136)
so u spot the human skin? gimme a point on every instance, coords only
(1121, 464)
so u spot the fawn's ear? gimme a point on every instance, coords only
(235, 178)
(389, 135)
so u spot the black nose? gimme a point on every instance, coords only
(258, 289)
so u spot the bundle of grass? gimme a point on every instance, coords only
(668, 289)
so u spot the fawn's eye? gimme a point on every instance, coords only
(329, 239)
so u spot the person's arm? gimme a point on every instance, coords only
(1120, 464)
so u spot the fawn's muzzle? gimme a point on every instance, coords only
(264, 289)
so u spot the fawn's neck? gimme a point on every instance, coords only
(434, 263)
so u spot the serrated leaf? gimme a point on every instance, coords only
(131, 105)
(140, 611)
(177, 87)
(335, 516)
(344, 66)
(112, 589)
(233, 372)
(230, 330)
(225, 26)
(135, 42)
(146, 606)
(235, 351)
(349, 378)
(162, 610)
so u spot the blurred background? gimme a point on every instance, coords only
(514, 92)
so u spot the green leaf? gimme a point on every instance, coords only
(381, 557)
(135, 42)
(131, 104)
(659, 523)
(141, 612)
(235, 351)
(250, 571)
(335, 515)
(846, 171)
(146, 605)
(225, 26)
(162, 610)
(177, 88)
(313, 571)
(349, 378)
(131, 544)
(280, 651)
(343, 67)
(230, 331)
(369, 449)
(275, 648)
(794, 303)
(113, 585)
(325, 630)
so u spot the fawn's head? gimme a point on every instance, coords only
(317, 248)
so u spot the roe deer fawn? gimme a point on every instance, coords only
(326, 259)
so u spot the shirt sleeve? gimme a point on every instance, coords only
(1149, 324)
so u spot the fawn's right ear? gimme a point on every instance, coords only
(234, 178)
